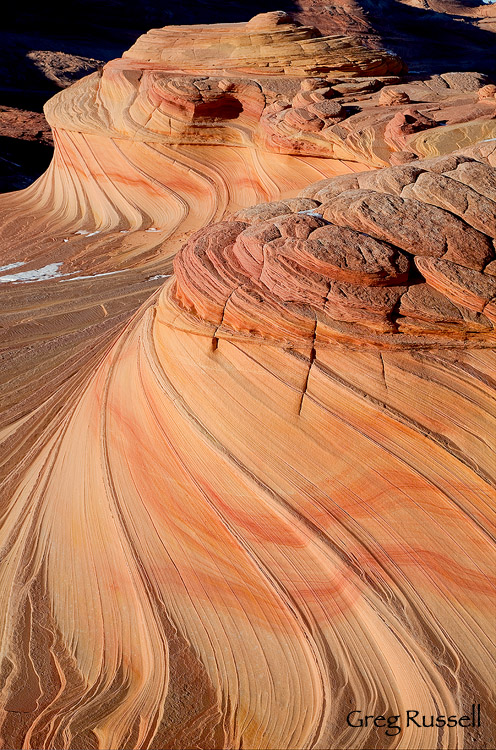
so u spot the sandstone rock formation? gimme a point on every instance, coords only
(431, 35)
(41, 49)
(343, 267)
(169, 138)
(241, 502)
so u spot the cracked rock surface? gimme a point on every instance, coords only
(247, 400)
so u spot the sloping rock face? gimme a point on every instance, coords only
(39, 53)
(279, 481)
(241, 504)
(169, 139)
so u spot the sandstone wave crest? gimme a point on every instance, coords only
(241, 503)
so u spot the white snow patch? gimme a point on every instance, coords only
(312, 212)
(52, 272)
(153, 229)
(93, 275)
(12, 265)
(40, 274)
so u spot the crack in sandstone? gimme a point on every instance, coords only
(184, 562)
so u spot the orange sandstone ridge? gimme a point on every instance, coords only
(242, 503)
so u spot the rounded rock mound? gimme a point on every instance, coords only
(400, 257)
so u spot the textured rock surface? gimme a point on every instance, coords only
(352, 259)
(431, 35)
(241, 502)
(42, 49)
(349, 129)
(61, 68)
(269, 40)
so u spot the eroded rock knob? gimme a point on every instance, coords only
(328, 110)
(269, 20)
(311, 84)
(404, 124)
(488, 91)
(390, 97)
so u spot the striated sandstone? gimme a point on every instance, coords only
(270, 43)
(391, 96)
(241, 500)
(488, 91)
(471, 288)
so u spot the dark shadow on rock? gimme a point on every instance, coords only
(432, 42)
(89, 28)
(21, 162)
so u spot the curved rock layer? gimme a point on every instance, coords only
(255, 542)
(185, 128)
(266, 498)
(114, 203)
(259, 532)
(271, 43)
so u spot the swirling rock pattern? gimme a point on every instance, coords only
(265, 498)
(183, 129)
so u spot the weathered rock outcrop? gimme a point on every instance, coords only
(183, 129)
(242, 503)
(342, 264)
(431, 35)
